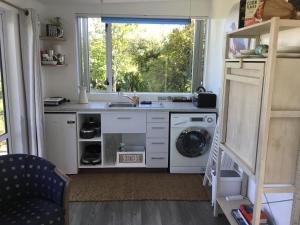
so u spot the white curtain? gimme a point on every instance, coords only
(32, 82)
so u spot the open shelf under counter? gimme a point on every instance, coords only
(228, 206)
(81, 166)
(50, 65)
(95, 139)
(49, 38)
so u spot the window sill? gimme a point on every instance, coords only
(148, 96)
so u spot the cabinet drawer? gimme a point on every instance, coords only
(250, 70)
(123, 122)
(157, 145)
(158, 130)
(157, 160)
(158, 117)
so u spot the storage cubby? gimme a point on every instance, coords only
(134, 145)
(82, 147)
(83, 121)
(89, 134)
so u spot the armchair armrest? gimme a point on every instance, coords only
(66, 193)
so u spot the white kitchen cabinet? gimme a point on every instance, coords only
(123, 122)
(157, 142)
(157, 160)
(158, 130)
(61, 141)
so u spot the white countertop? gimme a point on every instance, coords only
(95, 106)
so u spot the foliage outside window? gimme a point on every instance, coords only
(140, 57)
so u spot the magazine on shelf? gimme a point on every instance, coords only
(239, 218)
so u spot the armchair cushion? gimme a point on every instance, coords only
(31, 191)
(32, 212)
(27, 176)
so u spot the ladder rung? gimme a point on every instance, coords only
(285, 114)
(280, 189)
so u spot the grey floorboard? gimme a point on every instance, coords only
(144, 213)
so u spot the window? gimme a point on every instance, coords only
(142, 55)
(4, 129)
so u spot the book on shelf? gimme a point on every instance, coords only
(247, 212)
(239, 218)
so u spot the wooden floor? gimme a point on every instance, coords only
(144, 213)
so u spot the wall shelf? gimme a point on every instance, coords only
(49, 65)
(47, 38)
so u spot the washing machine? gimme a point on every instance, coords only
(190, 141)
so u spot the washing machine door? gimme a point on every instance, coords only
(193, 142)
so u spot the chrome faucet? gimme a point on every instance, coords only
(133, 99)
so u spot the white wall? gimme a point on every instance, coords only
(216, 44)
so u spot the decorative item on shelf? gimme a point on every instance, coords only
(253, 12)
(261, 49)
(257, 11)
(83, 99)
(54, 28)
(279, 8)
(51, 57)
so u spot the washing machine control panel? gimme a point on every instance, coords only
(202, 119)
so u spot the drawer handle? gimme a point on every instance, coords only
(158, 143)
(158, 128)
(124, 118)
(158, 118)
(70, 122)
(158, 158)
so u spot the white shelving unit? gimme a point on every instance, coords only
(128, 128)
(83, 117)
(260, 119)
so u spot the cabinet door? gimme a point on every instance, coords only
(61, 142)
(241, 110)
(123, 122)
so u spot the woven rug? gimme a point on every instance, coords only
(133, 186)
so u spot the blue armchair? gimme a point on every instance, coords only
(32, 191)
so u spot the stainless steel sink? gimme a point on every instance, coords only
(121, 104)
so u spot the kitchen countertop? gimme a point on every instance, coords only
(96, 106)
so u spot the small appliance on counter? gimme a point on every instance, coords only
(204, 99)
(54, 101)
(91, 155)
(90, 129)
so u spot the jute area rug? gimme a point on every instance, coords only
(133, 186)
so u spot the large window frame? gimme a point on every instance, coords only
(198, 57)
(3, 72)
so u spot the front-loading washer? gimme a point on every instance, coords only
(191, 136)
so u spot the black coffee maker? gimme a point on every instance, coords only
(204, 99)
